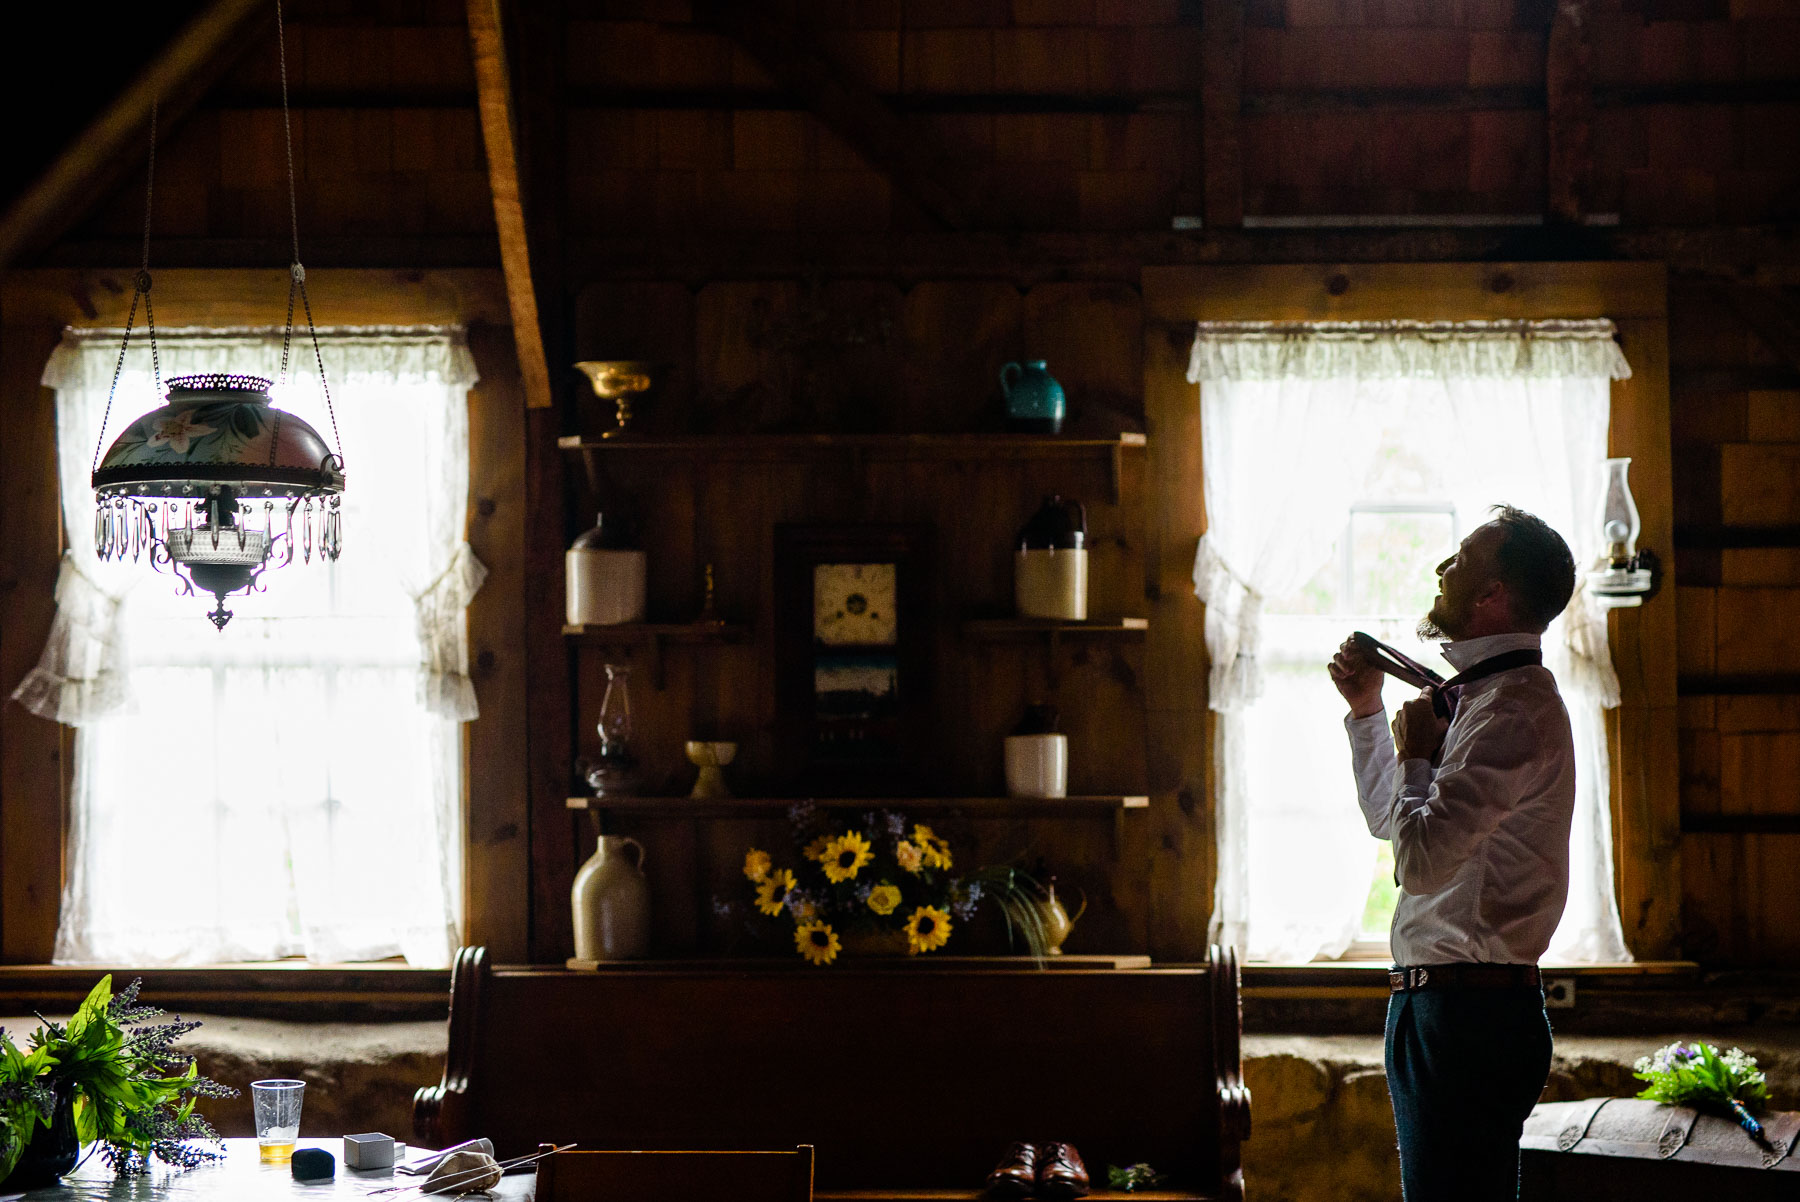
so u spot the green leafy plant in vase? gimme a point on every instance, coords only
(108, 1077)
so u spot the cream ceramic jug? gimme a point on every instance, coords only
(611, 897)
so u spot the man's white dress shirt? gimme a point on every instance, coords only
(1481, 840)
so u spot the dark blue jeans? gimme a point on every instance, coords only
(1464, 1069)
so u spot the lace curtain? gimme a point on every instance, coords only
(1291, 419)
(296, 778)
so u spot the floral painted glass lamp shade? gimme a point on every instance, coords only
(183, 483)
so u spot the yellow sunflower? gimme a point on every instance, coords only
(927, 929)
(817, 942)
(884, 899)
(772, 892)
(816, 849)
(935, 850)
(757, 865)
(909, 855)
(846, 857)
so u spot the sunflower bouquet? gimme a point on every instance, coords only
(885, 877)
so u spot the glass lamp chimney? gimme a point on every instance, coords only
(1623, 576)
(1619, 516)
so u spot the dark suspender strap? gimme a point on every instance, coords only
(1524, 657)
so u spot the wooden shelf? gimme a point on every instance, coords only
(656, 635)
(1740, 824)
(777, 447)
(668, 632)
(745, 807)
(887, 446)
(782, 963)
(1012, 628)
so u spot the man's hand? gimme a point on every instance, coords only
(1418, 731)
(1357, 678)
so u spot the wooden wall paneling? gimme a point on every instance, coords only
(743, 380)
(941, 186)
(32, 771)
(651, 319)
(957, 334)
(87, 171)
(1221, 100)
(1091, 334)
(1176, 852)
(1742, 892)
(1647, 839)
(341, 296)
(549, 720)
(498, 822)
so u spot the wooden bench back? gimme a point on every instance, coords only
(676, 1176)
(910, 1077)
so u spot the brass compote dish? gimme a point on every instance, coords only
(622, 381)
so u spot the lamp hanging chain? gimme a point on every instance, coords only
(297, 273)
(140, 290)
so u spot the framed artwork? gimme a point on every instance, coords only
(852, 629)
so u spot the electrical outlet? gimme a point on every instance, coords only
(1559, 993)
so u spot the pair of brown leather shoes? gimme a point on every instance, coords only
(1039, 1170)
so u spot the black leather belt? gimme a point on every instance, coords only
(1463, 976)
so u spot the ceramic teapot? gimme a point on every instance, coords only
(1057, 921)
(611, 898)
(1034, 400)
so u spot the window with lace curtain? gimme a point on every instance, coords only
(290, 786)
(1342, 462)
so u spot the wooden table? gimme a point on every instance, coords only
(242, 1177)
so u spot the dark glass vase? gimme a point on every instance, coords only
(53, 1150)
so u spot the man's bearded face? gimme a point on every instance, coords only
(1461, 578)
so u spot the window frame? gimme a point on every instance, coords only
(1641, 732)
(35, 755)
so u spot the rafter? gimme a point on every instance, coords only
(87, 171)
(944, 188)
(1221, 107)
(499, 132)
(1569, 115)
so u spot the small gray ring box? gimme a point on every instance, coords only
(372, 1151)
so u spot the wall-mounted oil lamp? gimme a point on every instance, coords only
(1626, 574)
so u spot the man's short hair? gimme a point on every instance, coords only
(1534, 563)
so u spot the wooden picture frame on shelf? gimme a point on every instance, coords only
(852, 647)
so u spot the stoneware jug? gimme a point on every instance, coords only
(1050, 563)
(612, 903)
(1034, 400)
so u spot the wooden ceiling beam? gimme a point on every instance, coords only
(1221, 113)
(500, 136)
(947, 191)
(1569, 114)
(94, 163)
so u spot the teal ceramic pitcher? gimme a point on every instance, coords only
(1034, 400)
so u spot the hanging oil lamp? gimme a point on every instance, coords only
(218, 485)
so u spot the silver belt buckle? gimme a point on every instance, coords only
(1419, 978)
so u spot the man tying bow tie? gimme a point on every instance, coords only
(1476, 791)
